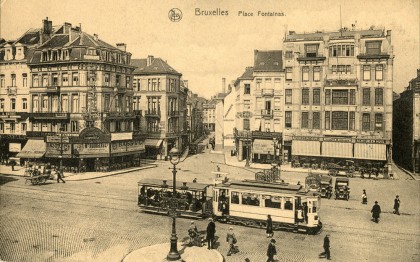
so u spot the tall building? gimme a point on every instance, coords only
(78, 100)
(194, 123)
(406, 134)
(209, 117)
(161, 96)
(338, 96)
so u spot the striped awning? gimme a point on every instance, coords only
(337, 149)
(370, 151)
(33, 149)
(306, 148)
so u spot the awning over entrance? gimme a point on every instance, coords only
(370, 151)
(153, 142)
(33, 149)
(337, 149)
(306, 148)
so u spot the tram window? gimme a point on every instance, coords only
(250, 199)
(288, 204)
(272, 201)
(314, 205)
(235, 198)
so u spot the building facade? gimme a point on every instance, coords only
(338, 96)
(161, 96)
(209, 117)
(406, 134)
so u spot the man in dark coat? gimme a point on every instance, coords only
(269, 230)
(397, 205)
(326, 247)
(376, 211)
(271, 250)
(60, 176)
(211, 231)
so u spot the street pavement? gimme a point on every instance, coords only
(98, 219)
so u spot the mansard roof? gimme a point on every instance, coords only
(268, 60)
(157, 66)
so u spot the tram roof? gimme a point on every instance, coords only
(159, 182)
(266, 187)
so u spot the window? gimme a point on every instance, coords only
(288, 96)
(378, 121)
(366, 122)
(1, 127)
(74, 126)
(2, 104)
(311, 50)
(352, 96)
(373, 47)
(55, 79)
(316, 120)
(247, 105)
(305, 96)
(272, 201)
(352, 121)
(2, 81)
(316, 96)
(45, 81)
(277, 83)
(24, 103)
(289, 55)
(44, 103)
(328, 96)
(75, 79)
(35, 80)
(127, 81)
(234, 197)
(379, 72)
(247, 89)
(65, 79)
(267, 83)
(289, 73)
(106, 79)
(288, 203)
(250, 199)
(379, 96)
(288, 119)
(341, 49)
(12, 104)
(246, 124)
(258, 83)
(25, 80)
(327, 120)
(117, 80)
(305, 120)
(339, 120)
(64, 103)
(305, 73)
(340, 97)
(24, 127)
(317, 73)
(12, 127)
(35, 103)
(366, 96)
(75, 103)
(366, 72)
(13, 76)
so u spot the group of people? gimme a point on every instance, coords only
(376, 209)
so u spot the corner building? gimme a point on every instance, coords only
(338, 96)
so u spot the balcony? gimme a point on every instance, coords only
(49, 116)
(152, 113)
(53, 88)
(120, 115)
(340, 82)
(138, 113)
(373, 56)
(317, 57)
(267, 92)
(267, 113)
(173, 113)
(11, 90)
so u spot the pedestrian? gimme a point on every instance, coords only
(192, 232)
(397, 205)
(376, 211)
(271, 250)
(364, 197)
(218, 168)
(211, 231)
(231, 239)
(305, 212)
(326, 246)
(60, 176)
(269, 230)
(195, 180)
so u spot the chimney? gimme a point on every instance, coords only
(47, 26)
(224, 85)
(149, 60)
(186, 83)
(67, 28)
(388, 36)
(418, 72)
(122, 46)
(95, 36)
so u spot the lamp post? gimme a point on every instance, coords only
(61, 149)
(247, 141)
(173, 253)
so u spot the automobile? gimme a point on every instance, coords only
(342, 189)
(325, 189)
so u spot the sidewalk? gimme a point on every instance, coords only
(20, 171)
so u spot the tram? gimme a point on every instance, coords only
(246, 203)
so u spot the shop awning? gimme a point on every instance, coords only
(33, 149)
(337, 149)
(153, 142)
(306, 148)
(370, 151)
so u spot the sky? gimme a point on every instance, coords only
(206, 49)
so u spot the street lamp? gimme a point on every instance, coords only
(61, 148)
(175, 160)
(247, 144)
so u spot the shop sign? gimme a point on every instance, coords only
(263, 146)
(9, 136)
(15, 147)
(127, 146)
(371, 141)
(91, 148)
(338, 139)
(307, 138)
(54, 149)
(93, 133)
(271, 135)
(58, 139)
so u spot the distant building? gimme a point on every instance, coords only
(406, 124)
(161, 97)
(209, 117)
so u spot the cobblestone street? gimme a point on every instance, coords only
(98, 219)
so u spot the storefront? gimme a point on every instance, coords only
(306, 146)
(337, 147)
(153, 148)
(370, 149)
(266, 147)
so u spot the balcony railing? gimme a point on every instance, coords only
(152, 113)
(11, 90)
(267, 113)
(49, 115)
(53, 88)
(373, 56)
(340, 82)
(173, 113)
(317, 57)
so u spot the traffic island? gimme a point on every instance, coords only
(158, 253)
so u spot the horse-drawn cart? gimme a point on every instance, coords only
(39, 179)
